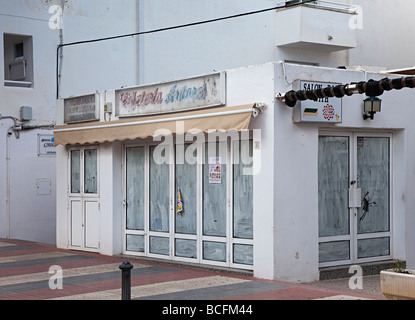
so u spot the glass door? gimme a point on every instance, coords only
(333, 200)
(373, 179)
(354, 198)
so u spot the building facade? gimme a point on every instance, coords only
(242, 181)
(121, 191)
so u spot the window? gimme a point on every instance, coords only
(195, 206)
(84, 171)
(18, 60)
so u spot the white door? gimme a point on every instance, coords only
(84, 199)
(354, 198)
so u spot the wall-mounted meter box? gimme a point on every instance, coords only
(26, 113)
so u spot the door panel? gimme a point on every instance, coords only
(333, 184)
(376, 247)
(159, 192)
(373, 179)
(75, 171)
(91, 224)
(76, 224)
(334, 251)
(186, 181)
(135, 192)
(91, 171)
(214, 190)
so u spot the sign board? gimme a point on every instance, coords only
(193, 93)
(327, 110)
(46, 145)
(80, 109)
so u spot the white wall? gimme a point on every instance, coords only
(201, 49)
(32, 216)
(385, 39)
(104, 65)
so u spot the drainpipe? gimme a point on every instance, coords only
(59, 57)
(8, 135)
(7, 224)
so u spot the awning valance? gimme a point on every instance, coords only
(223, 118)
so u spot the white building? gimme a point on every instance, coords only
(253, 51)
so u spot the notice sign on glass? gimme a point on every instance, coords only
(194, 93)
(327, 110)
(80, 109)
(215, 170)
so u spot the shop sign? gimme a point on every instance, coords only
(46, 145)
(80, 109)
(327, 110)
(194, 93)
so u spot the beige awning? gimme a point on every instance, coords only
(223, 118)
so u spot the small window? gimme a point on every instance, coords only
(18, 60)
(19, 51)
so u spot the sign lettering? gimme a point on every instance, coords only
(328, 110)
(80, 109)
(200, 92)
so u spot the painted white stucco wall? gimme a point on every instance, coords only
(381, 41)
(102, 65)
(24, 213)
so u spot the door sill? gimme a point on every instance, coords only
(83, 249)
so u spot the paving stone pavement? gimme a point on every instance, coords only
(25, 266)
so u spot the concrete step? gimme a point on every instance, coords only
(373, 268)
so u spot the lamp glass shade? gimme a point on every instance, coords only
(372, 104)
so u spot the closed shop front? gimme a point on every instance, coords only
(190, 202)
(169, 174)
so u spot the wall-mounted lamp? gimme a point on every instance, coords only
(371, 106)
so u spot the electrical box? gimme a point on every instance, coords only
(108, 107)
(26, 113)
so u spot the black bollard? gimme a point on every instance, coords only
(126, 280)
